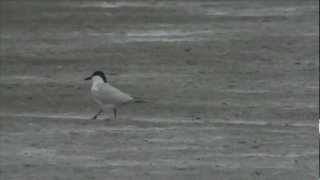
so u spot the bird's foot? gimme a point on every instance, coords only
(94, 117)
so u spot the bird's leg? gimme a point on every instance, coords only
(96, 115)
(115, 113)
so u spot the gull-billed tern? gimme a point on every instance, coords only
(106, 95)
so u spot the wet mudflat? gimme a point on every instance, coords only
(231, 86)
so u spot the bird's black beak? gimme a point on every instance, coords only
(88, 78)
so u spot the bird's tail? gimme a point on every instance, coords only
(139, 100)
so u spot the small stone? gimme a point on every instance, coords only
(187, 49)
(258, 173)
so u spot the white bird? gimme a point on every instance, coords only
(106, 95)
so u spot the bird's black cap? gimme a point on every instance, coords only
(98, 73)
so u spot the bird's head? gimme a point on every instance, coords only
(97, 76)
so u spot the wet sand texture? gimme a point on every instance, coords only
(232, 89)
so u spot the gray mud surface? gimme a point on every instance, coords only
(232, 89)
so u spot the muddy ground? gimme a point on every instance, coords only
(232, 89)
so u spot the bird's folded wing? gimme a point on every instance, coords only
(111, 95)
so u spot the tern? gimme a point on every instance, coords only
(105, 95)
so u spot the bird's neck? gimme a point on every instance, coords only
(96, 81)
